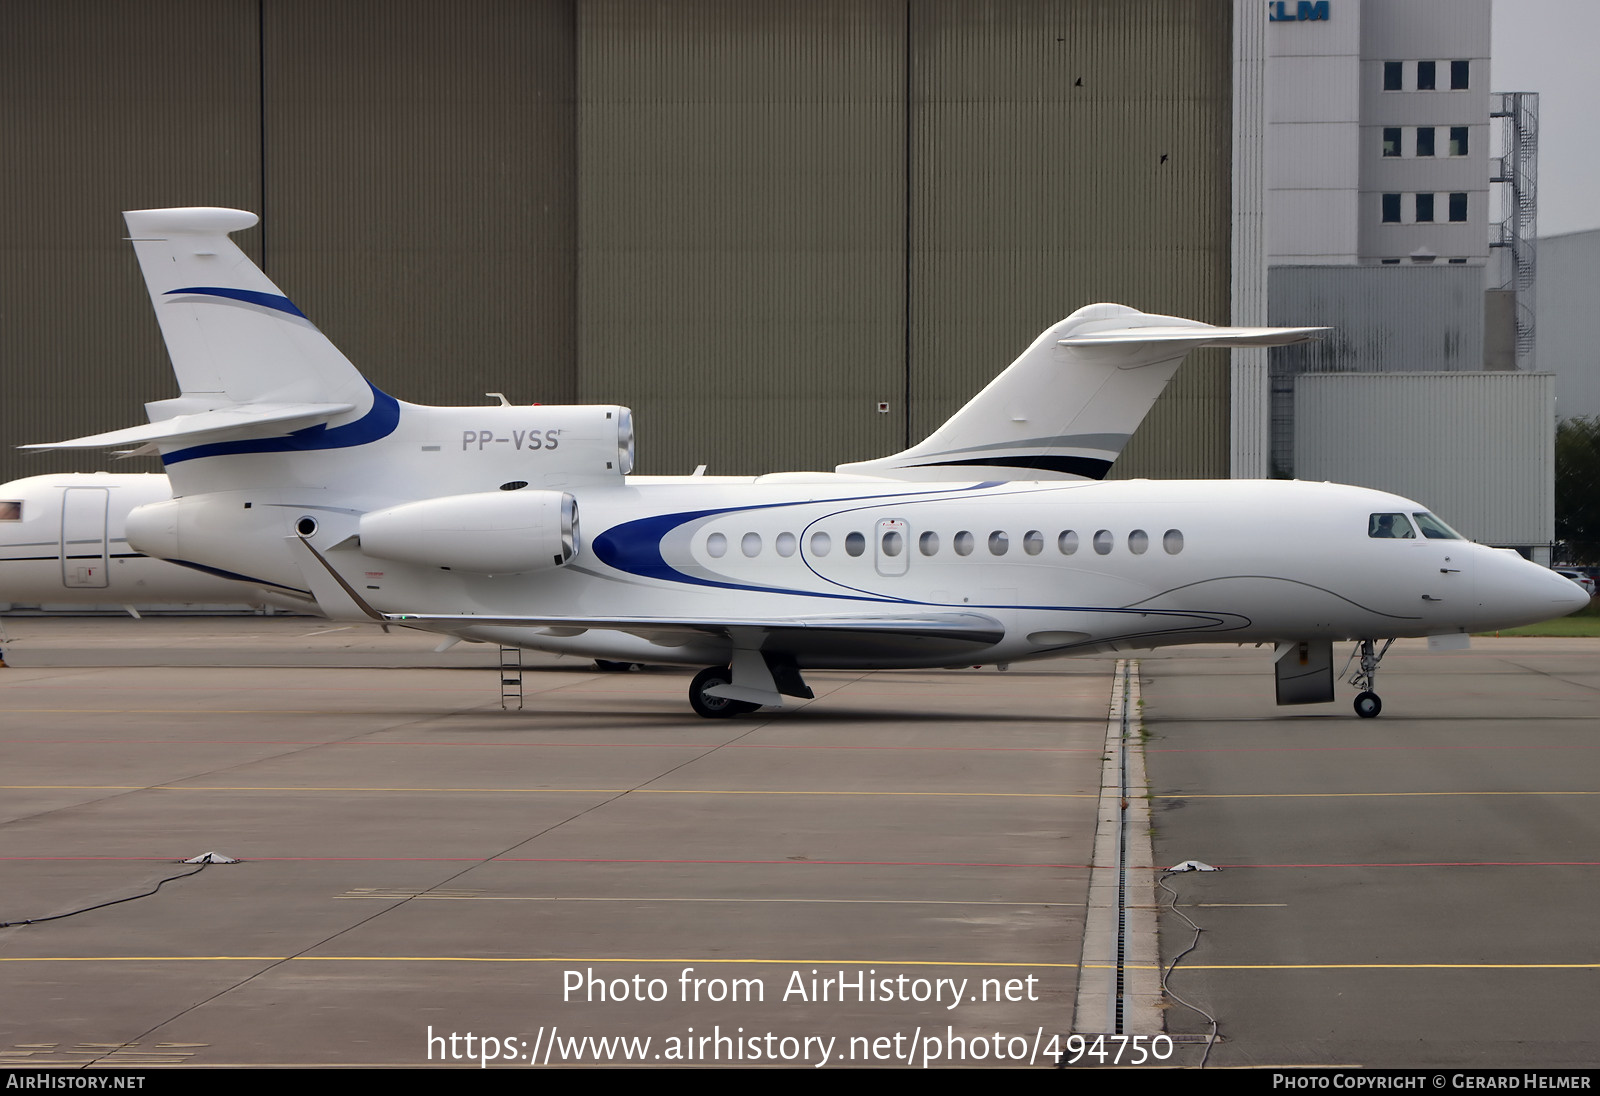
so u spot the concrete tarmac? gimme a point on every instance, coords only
(1413, 890)
(895, 871)
(418, 865)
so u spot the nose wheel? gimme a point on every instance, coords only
(1368, 704)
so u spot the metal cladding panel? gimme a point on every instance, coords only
(1478, 449)
(1384, 318)
(421, 189)
(741, 265)
(1065, 153)
(107, 107)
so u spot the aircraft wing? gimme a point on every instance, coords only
(247, 420)
(955, 634)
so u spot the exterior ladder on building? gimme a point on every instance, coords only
(511, 678)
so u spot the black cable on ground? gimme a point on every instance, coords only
(103, 905)
(1211, 1042)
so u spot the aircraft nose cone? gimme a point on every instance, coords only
(1573, 598)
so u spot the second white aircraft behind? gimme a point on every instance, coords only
(520, 525)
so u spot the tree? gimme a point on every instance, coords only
(1578, 488)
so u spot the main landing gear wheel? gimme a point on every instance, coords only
(716, 707)
(1368, 705)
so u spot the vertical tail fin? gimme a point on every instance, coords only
(1066, 408)
(233, 336)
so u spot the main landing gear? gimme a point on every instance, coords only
(1368, 704)
(752, 679)
(716, 707)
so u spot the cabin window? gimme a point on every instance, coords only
(1033, 542)
(821, 544)
(1138, 542)
(716, 546)
(963, 543)
(1172, 542)
(751, 545)
(893, 542)
(999, 543)
(1434, 529)
(928, 543)
(1067, 542)
(1390, 527)
(785, 544)
(1102, 542)
(855, 544)
(10, 509)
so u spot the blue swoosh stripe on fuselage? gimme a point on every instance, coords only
(617, 547)
(379, 422)
(273, 301)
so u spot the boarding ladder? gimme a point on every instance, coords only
(511, 678)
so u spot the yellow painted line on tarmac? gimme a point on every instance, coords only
(880, 963)
(1348, 795)
(570, 791)
(610, 959)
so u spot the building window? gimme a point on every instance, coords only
(1458, 141)
(1458, 262)
(1424, 208)
(1425, 141)
(1458, 75)
(1426, 80)
(1391, 209)
(1392, 80)
(1458, 206)
(1390, 262)
(1391, 140)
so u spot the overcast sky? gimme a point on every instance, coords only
(1549, 46)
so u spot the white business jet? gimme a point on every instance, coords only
(290, 471)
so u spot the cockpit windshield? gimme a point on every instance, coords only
(1434, 529)
(1390, 527)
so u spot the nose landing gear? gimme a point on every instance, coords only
(1368, 704)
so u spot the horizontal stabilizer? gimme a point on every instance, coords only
(1203, 336)
(1066, 408)
(257, 420)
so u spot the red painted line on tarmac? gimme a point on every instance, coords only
(1291, 749)
(563, 860)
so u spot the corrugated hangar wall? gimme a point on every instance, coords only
(749, 222)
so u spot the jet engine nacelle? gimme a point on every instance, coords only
(492, 532)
